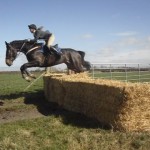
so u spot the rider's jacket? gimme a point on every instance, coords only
(40, 34)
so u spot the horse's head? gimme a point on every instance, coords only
(11, 54)
(16, 46)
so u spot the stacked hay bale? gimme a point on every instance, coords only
(124, 106)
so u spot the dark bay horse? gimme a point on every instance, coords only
(36, 58)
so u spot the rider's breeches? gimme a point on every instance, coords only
(50, 41)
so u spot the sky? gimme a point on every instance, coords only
(108, 31)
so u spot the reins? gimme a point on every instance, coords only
(31, 50)
(20, 50)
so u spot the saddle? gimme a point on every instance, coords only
(54, 50)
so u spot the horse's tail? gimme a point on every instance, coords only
(82, 54)
(85, 64)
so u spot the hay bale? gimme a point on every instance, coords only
(125, 106)
(53, 88)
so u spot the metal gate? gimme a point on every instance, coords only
(127, 72)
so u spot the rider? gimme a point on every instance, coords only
(49, 38)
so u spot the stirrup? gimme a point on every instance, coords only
(55, 50)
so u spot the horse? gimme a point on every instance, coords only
(74, 59)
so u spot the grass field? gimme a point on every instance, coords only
(55, 129)
(130, 76)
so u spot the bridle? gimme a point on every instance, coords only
(20, 50)
(28, 50)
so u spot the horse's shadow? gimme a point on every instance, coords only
(9, 97)
(47, 108)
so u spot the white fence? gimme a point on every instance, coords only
(121, 71)
(114, 71)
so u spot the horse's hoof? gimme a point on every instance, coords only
(33, 76)
(28, 79)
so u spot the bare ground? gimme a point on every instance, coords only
(10, 112)
(33, 105)
(10, 115)
(26, 107)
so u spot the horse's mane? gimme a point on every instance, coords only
(17, 42)
(20, 42)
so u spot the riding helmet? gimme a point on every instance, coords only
(32, 26)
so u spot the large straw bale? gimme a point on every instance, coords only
(53, 88)
(124, 106)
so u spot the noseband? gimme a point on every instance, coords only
(17, 50)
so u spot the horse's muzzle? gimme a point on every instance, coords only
(9, 62)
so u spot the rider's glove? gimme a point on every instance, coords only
(27, 40)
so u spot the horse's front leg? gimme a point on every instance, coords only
(30, 74)
(25, 73)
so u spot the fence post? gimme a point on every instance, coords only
(107, 71)
(93, 71)
(139, 72)
(126, 73)
(110, 72)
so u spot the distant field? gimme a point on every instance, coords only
(123, 76)
(55, 129)
(13, 83)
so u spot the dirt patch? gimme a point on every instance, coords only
(24, 108)
(11, 116)
(29, 106)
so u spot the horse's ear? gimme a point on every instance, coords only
(6, 43)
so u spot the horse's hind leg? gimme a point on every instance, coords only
(77, 67)
(87, 65)
(71, 71)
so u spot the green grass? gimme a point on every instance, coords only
(52, 133)
(61, 132)
(129, 76)
(12, 83)
(58, 129)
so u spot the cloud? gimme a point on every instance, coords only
(139, 56)
(127, 33)
(107, 51)
(124, 50)
(129, 41)
(87, 36)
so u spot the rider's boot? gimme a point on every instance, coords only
(46, 49)
(55, 50)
